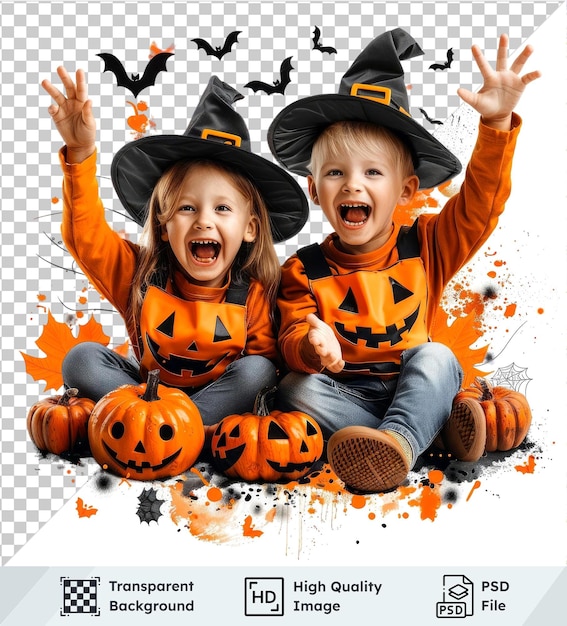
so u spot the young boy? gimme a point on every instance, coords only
(356, 311)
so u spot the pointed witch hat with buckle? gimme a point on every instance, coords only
(372, 90)
(216, 132)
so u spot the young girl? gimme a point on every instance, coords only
(197, 292)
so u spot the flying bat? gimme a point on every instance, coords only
(218, 51)
(431, 121)
(278, 86)
(317, 43)
(134, 83)
(446, 65)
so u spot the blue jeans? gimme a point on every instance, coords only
(416, 403)
(96, 370)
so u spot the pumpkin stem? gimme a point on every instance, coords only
(485, 387)
(261, 403)
(69, 393)
(150, 395)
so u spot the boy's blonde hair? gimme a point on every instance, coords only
(363, 138)
(255, 260)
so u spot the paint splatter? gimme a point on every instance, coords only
(358, 502)
(85, 510)
(428, 501)
(528, 467)
(474, 487)
(248, 529)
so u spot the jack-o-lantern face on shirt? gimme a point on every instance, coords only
(191, 343)
(375, 315)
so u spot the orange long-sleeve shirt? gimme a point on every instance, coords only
(447, 241)
(109, 261)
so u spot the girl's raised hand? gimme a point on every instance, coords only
(72, 115)
(503, 86)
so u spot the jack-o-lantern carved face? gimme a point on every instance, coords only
(275, 447)
(375, 310)
(191, 344)
(146, 432)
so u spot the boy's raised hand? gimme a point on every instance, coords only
(72, 114)
(325, 344)
(502, 88)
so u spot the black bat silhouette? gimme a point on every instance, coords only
(134, 83)
(317, 43)
(217, 51)
(429, 119)
(443, 66)
(278, 86)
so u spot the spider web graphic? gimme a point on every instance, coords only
(513, 377)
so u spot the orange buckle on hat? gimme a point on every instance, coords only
(231, 140)
(386, 94)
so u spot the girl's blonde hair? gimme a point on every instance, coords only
(254, 260)
(365, 138)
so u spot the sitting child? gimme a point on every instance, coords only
(356, 310)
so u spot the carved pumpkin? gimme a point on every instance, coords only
(146, 431)
(266, 446)
(59, 424)
(508, 414)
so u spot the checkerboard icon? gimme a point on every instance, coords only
(80, 596)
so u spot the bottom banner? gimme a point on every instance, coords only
(287, 595)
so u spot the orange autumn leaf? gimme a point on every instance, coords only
(460, 336)
(55, 341)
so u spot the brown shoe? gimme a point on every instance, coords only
(464, 433)
(366, 459)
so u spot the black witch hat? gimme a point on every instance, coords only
(217, 132)
(372, 90)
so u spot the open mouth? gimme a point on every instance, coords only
(205, 250)
(354, 214)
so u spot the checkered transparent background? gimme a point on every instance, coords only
(38, 274)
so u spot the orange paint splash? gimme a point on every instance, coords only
(248, 529)
(475, 486)
(358, 502)
(214, 494)
(270, 515)
(428, 501)
(85, 510)
(527, 468)
(510, 310)
(435, 476)
(194, 470)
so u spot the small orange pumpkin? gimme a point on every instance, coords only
(508, 414)
(59, 424)
(146, 431)
(266, 446)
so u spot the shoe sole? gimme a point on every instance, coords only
(367, 463)
(464, 434)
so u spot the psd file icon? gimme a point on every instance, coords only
(458, 597)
